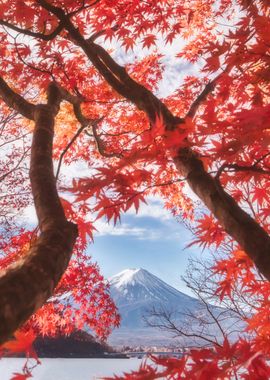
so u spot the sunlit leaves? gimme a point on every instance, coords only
(149, 40)
(208, 232)
(22, 342)
(212, 363)
(132, 158)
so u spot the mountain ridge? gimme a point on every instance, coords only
(135, 291)
(135, 283)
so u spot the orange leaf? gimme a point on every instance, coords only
(22, 343)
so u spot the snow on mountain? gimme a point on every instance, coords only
(138, 285)
(135, 291)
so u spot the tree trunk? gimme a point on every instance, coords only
(235, 221)
(27, 284)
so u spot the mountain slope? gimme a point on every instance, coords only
(136, 290)
(139, 285)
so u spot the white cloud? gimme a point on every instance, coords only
(105, 228)
(29, 216)
(151, 210)
(77, 169)
(125, 229)
(136, 227)
(175, 68)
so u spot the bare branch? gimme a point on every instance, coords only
(27, 32)
(15, 167)
(74, 138)
(201, 98)
(163, 320)
(238, 168)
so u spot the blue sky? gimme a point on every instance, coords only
(151, 239)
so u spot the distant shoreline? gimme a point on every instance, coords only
(74, 356)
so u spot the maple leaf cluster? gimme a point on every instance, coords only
(22, 343)
(212, 131)
(216, 363)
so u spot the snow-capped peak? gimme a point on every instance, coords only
(126, 277)
(137, 285)
(136, 291)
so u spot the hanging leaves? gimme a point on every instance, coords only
(217, 106)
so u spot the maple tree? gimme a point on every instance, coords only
(65, 97)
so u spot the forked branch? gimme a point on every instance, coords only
(27, 284)
(235, 221)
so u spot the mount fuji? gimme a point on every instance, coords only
(135, 291)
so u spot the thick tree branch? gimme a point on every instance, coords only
(27, 32)
(236, 222)
(27, 284)
(115, 74)
(241, 168)
(16, 101)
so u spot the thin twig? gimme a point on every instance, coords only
(77, 134)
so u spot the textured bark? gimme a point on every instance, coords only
(236, 222)
(26, 285)
(15, 101)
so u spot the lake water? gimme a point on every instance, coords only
(70, 369)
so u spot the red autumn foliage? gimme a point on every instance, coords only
(211, 131)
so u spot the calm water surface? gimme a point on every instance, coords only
(70, 369)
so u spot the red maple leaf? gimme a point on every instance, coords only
(22, 342)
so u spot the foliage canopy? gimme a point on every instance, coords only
(60, 76)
